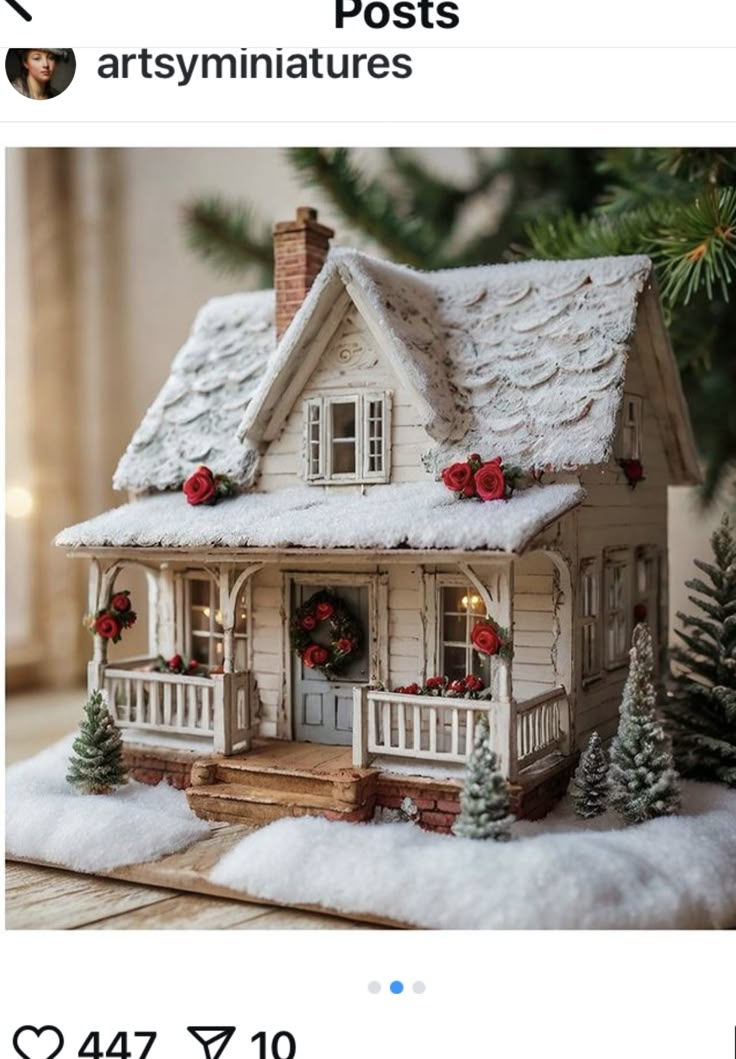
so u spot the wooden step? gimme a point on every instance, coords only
(253, 805)
(347, 785)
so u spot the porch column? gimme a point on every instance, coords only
(504, 725)
(227, 610)
(95, 667)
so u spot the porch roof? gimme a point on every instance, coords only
(416, 516)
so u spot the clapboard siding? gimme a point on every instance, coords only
(267, 650)
(351, 363)
(614, 516)
(533, 635)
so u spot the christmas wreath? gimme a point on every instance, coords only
(344, 633)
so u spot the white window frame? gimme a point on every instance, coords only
(318, 438)
(590, 619)
(448, 581)
(617, 620)
(631, 427)
(216, 633)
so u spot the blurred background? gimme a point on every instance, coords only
(111, 252)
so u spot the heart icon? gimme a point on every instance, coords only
(32, 1043)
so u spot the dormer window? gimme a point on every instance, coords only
(347, 438)
(631, 428)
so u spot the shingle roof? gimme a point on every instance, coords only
(420, 516)
(195, 417)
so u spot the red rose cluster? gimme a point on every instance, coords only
(633, 470)
(110, 621)
(176, 664)
(468, 687)
(477, 480)
(486, 637)
(205, 487)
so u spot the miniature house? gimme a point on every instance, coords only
(334, 403)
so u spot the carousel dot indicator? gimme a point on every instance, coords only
(419, 987)
(374, 987)
(397, 987)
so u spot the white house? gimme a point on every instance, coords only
(333, 404)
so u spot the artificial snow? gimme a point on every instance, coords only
(394, 516)
(559, 873)
(47, 820)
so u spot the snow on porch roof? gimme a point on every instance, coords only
(414, 516)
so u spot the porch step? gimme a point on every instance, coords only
(275, 779)
(255, 805)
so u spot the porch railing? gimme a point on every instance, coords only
(440, 730)
(220, 707)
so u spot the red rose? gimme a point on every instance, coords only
(485, 639)
(315, 655)
(458, 476)
(469, 489)
(457, 685)
(633, 470)
(640, 612)
(175, 663)
(200, 487)
(107, 626)
(121, 602)
(308, 622)
(435, 682)
(474, 458)
(193, 666)
(129, 618)
(412, 689)
(473, 683)
(344, 645)
(324, 610)
(490, 481)
(399, 691)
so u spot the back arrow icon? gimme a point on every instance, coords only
(21, 10)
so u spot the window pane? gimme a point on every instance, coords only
(200, 649)
(313, 438)
(455, 628)
(456, 664)
(343, 420)
(343, 457)
(199, 592)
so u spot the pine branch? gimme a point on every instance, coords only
(225, 234)
(697, 247)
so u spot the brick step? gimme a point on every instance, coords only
(236, 801)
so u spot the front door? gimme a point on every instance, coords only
(323, 706)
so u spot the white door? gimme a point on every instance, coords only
(323, 706)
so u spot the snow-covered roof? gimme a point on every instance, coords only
(523, 360)
(417, 516)
(195, 417)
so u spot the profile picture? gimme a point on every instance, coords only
(40, 73)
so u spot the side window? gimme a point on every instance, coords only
(459, 607)
(617, 617)
(631, 428)
(204, 623)
(590, 611)
(347, 438)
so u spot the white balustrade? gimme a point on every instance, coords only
(434, 729)
(160, 702)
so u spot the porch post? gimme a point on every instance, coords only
(96, 666)
(505, 722)
(227, 610)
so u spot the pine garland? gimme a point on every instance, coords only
(96, 766)
(642, 781)
(484, 802)
(589, 791)
(701, 709)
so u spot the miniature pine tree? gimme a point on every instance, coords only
(96, 766)
(702, 708)
(642, 781)
(590, 783)
(484, 802)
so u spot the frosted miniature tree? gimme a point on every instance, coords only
(96, 766)
(589, 792)
(484, 802)
(702, 708)
(643, 783)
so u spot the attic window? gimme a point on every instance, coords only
(347, 438)
(631, 428)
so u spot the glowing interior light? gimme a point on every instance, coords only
(206, 611)
(18, 502)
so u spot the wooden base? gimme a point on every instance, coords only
(188, 871)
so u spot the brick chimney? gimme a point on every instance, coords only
(299, 250)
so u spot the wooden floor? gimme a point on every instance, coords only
(138, 898)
